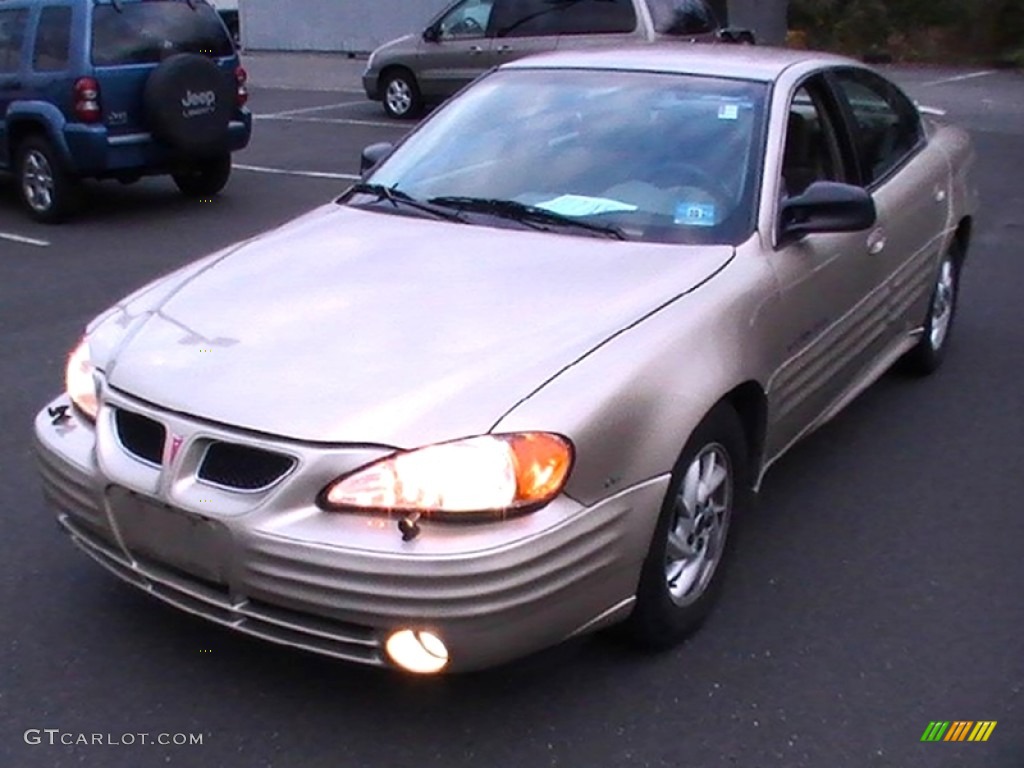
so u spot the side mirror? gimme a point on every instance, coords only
(432, 34)
(827, 206)
(372, 156)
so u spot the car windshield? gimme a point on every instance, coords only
(650, 157)
(148, 32)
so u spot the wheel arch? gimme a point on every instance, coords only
(751, 405)
(962, 238)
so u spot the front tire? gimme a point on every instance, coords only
(682, 575)
(48, 192)
(202, 179)
(927, 356)
(402, 98)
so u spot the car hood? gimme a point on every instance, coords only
(357, 326)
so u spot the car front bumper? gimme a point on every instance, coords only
(274, 565)
(371, 85)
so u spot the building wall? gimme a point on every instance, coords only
(358, 26)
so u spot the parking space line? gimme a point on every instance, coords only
(338, 121)
(307, 174)
(934, 111)
(959, 78)
(24, 240)
(307, 110)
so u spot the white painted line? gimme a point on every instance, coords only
(338, 121)
(24, 240)
(307, 110)
(306, 174)
(959, 78)
(931, 111)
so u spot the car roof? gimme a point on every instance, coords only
(746, 62)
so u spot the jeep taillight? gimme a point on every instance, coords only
(87, 100)
(242, 94)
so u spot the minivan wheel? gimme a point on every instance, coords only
(201, 179)
(48, 191)
(402, 99)
(682, 574)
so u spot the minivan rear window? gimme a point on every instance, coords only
(149, 31)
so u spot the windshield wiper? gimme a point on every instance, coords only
(527, 214)
(399, 198)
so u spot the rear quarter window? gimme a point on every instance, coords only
(148, 32)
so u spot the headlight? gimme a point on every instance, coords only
(80, 380)
(493, 473)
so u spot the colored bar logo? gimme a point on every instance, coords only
(959, 730)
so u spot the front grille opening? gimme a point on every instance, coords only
(143, 438)
(243, 468)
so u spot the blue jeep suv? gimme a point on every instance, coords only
(117, 89)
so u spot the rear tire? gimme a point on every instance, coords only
(48, 191)
(927, 356)
(401, 95)
(203, 179)
(682, 575)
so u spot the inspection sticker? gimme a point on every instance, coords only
(695, 215)
(729, 112)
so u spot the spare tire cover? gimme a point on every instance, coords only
(188, 102)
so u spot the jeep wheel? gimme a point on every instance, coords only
(204, 178)
(189, 101)
(48, 191)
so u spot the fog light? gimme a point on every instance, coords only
(419, 652)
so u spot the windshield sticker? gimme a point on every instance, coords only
(696, 215)
(729, 112)
(580, 205)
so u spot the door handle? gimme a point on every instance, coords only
(876, 242)
(475, 49)
(504, 48)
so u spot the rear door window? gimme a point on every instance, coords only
(547, 18)
(12, 37)
(53, 39)
(886, 124)
(146, 33)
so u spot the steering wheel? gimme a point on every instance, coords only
(678, 173)
(467, 26)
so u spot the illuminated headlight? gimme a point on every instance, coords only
(80, 380)
(420, 652)
(492, 473)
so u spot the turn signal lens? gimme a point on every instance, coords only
(80, 380)
(492, 473)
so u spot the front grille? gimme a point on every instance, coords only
(243, 468)
(143, 438)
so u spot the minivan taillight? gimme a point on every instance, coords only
(87, 100)
(242, 94)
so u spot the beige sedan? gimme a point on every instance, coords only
(517, 384)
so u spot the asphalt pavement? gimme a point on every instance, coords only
(876, 588)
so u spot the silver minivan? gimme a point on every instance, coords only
(471, 36)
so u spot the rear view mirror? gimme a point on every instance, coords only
(432, 34)
(372, 156)
(827, 206)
